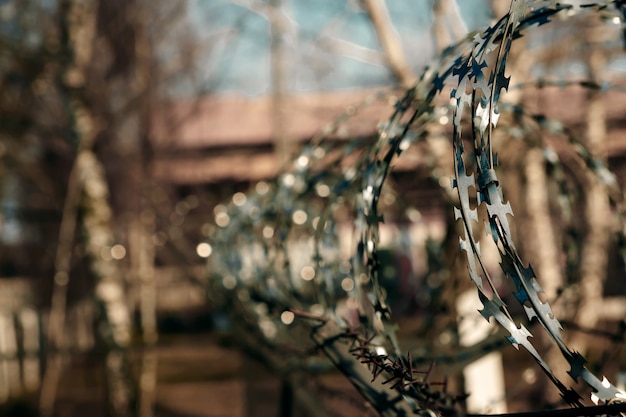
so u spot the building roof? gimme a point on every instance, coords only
(231, 120)
(231, 137)
(217, 138)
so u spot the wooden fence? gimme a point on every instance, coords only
(23, 323)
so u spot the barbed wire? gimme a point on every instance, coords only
(342, 300)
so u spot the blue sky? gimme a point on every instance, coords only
(330, 43)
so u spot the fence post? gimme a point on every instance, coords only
(484, 378)
(29, 322)
(9, 363)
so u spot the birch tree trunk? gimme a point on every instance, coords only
(114, 322)
(142, 251)
(77, 34)
(143, 223)
(594, 255)
(87, 190)
(283, 148)
(544, 248)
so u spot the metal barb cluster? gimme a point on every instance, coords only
(400, 374)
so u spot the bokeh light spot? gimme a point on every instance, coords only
(229, 282)
(347, 284)
(323, 190)
(262, 187)
(222, 219)
(307, 273)
(299, 217)
(118, 252)
(268, 232)
(204, 250)
(287, 317)
(239, 199)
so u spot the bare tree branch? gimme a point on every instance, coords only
(390, 41)
(448, 26)
(352, 50)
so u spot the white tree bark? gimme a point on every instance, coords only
(544, 248)
(594, 259)
(88, 189)
(390, 42)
